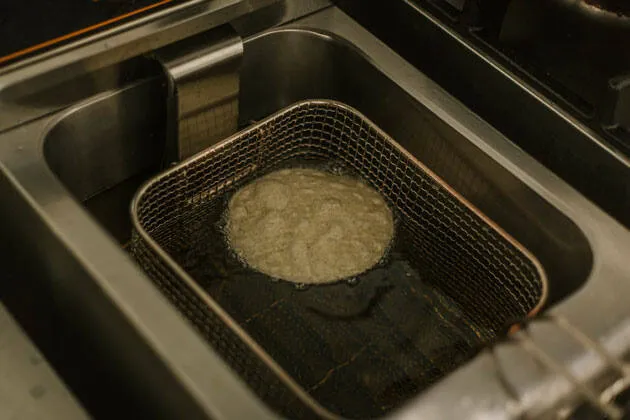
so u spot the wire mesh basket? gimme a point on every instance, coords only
(451, 283)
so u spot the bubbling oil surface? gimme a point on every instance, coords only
(360, 346)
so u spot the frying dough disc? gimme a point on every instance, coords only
(309, 226)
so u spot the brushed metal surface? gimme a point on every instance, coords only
(29, 387)
(203, 84)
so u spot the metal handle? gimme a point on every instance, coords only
(604, 400)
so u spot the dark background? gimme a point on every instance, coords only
(30, 22)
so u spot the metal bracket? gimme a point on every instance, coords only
(620, 86)
(203, 89)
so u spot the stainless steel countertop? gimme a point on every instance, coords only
(29, 388)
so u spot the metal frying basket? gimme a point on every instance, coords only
(452, 282)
